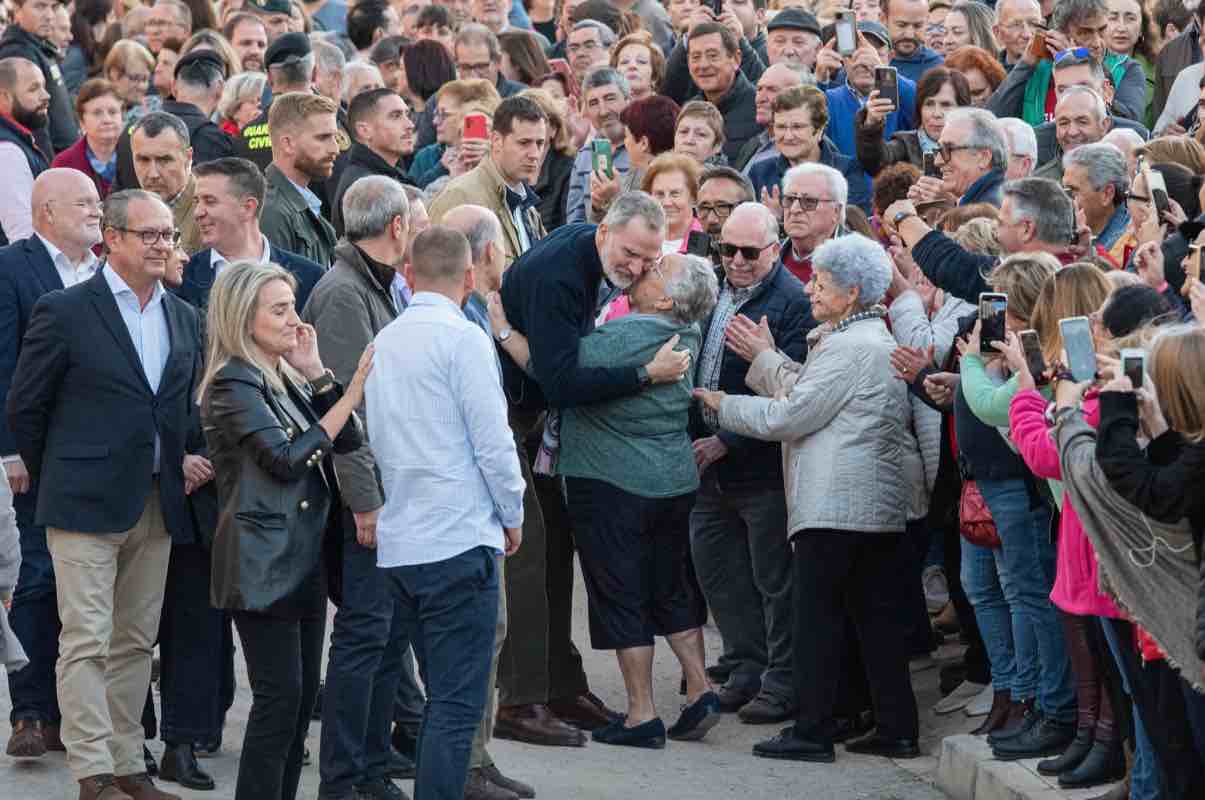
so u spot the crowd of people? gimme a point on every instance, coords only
(853, 330)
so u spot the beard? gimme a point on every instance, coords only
(32, 118)
(315, 169)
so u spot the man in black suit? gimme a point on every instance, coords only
(229, 196)
(100, 406)
(66, 221)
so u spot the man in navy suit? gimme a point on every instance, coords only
(230, 195)
(65, 212)
(100, 406)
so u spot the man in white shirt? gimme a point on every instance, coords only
(453, 495)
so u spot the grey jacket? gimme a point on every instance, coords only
(292, 225)
(12, 655)
(348, 308)
(842, 418)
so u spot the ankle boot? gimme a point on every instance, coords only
(1001, 704)
(1072, 756)
(1022, 715)
(1103, 764)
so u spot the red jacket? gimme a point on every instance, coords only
(76, 157)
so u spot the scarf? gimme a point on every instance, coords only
(1037, 87)
(1147, 566)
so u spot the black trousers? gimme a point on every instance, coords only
(284, 659)
(840, 575)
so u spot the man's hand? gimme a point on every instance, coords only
(18, 476)
(197, 472)
(603, 189)
(669, 365)
(877, 109)
(898, 207)
(927, 189)
(709, 450)
(514, 538)
(828, 62)
(366, 527)
(771, 199)
(471, 153)
(941, 387)
(729, 21)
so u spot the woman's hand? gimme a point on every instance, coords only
(197, 472)
(941, 387)
(498, 320)
(1150, 412)
(1068, 393)
(748, 339)
(969, 344)
(304, 356)
(356, 388)
(603, 190)
(1014, 356)
(877, 110)
(709, 398)
(1148, 260)
(908, 362)
(471, 153)
(1196, 297)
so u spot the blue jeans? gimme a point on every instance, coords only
(1144, 774)
(362, 673)
(984, 580)
(1023, 521)
(35, 621)
(449, 612)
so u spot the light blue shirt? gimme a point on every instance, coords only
(447, 458)
(148, 332)
(312, 200)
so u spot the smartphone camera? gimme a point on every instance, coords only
(992, 306)
(1133, 365)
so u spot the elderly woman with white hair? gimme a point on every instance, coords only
(241, 101)
(842, 417)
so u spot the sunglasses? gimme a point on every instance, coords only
(749, 253)
(1074, 52)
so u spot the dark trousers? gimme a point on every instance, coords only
(914, 550)
(840, 574)
(284, 658)
(362, 672)
(539, 661)
(35, 621)
(410, 700)
(449, 612)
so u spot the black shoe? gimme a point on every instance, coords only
(208, 749)
(405, 742)
(1104, 763)
(951, 676)
(1072, 756)
(874, 744)
(180, 766)
(1047, 738)
(766, 709)
(382, 789)
(400, 765)
(734, 698)
(845, 728)
(789, 746)
(317, 715)
(649, 734)
(719, 673)
(152, 768)
(1029, 718)
(697, 718)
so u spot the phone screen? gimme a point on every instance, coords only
(1133, 365)
(1033, 355)
(698, 244)
(1154, 181)
(847, 37)
(992, 306)
(930, 161)
(886, 84)
(1077, 342)
(603, 162)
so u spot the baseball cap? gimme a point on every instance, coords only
(876, 31)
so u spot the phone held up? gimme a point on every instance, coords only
(847, 33)
(930, 161)
(1077, 343)
(1032, 346)
(992, 306)
(698, 244)
(476, 126)
(602, 155)
(886, 83)
(1133, 365)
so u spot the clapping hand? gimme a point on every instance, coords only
(908, 362)
(748, 339)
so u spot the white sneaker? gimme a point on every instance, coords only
(937, 590)
(964, 693)
(982, 703)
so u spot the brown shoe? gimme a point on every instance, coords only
(1003, 713)
(28, 739)
(585, 711)
(477, 787)
(140, 787)
(535, 724)
(101, 787)
(54, 742)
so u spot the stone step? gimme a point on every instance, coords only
(966, 770)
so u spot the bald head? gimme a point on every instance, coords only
(66, 210)
(481, 227)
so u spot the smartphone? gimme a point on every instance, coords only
(1133, 365)
(1077, 342)
(698, 244)
(1158, 189)
(1037, 45)
(476, 126)
(1032, 346)
(603, 157)
(847, 33)
(1192, 265)
(717, 7)
(991, 317)
(886, 83)
(930, 161)
(558, 65)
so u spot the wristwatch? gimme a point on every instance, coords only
(323, 383)
(504, 334)
(643, 376)
(901, 216)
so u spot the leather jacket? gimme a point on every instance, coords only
(280, 513)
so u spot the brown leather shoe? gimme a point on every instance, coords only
(535, 724)
(1003, 713)
(28, 739)
(54, 742)
(139, 786)
(101, 787)
(585, 711)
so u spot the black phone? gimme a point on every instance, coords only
(886, 83)
(698, 244)
(992, 306)
(930, 161)
(1032, 346)
(1158, 189)
(1133, 365)
(1077, 343)
(847, 33)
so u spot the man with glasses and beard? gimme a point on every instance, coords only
(23, 104)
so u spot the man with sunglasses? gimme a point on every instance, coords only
(972, 158)
(739, 522)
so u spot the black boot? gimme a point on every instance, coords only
(1048, 737)
(180, 766)
(1103, 764)
(1072, 756)
(998, 716)
(1022, 716)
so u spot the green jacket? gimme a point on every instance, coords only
(291, 225)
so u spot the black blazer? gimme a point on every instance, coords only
(198, 277)
(84, 417)
(278, 494)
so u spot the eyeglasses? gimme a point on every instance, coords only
(473, 69)
(719, 210)
(948, 150)
(795, 130)
(805, 203)
(1138, 198)
(1074, 52)
(149, 237)
(1020, 25)
(749, 253)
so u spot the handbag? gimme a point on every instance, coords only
(975, 521)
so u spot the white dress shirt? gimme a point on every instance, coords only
(148, 331)
(217, 260)
(69, 273)
(440, 436)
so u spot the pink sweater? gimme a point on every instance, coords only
(1075, 582)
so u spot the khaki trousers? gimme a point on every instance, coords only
(479, 757)
(110, 594)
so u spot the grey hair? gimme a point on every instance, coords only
(329, 57)
(1104, 166)
(805, 75)
(484, 229)
(768, 220)
(1001, 3)
(630, 205)
(985, 133)
(350, 72)
(370, 205)
(156, 122)
(1067, 12)
(853, 260)
(115, 211)
(693, 288)
(1046, 204)
(240, 86)
(1098, 104)
(297, 73)
(837, 185)
(475, 33)
(602, 76)
(1020, 138)
(1128, 135)
(604, 30)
